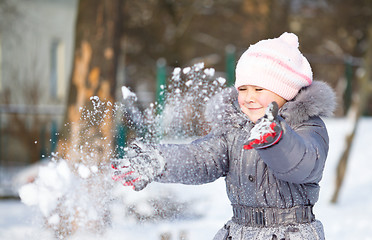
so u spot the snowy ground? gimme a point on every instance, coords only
(349, 219)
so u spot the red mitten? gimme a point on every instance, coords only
(267, 130)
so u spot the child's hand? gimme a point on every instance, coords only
(267, 130)
(141, 165)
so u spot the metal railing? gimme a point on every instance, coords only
(52, 115)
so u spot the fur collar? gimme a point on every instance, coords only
(318, 99)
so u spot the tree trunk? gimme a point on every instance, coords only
(87, 136)
(97, 46)
(360, 100)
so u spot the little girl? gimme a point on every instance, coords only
(267, 140)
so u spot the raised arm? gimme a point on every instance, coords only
(300, 155)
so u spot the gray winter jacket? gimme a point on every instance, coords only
(284, 175)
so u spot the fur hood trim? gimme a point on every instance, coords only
(318, 99)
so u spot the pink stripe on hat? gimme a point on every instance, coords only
(289, 68)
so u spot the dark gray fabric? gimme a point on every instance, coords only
(272, 217)
(234, 231)
(282, 176)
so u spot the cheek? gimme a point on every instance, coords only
(263, 100)
(240, 99)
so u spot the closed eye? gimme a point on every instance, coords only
(242, 89)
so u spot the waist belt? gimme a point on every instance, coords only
(268, 217)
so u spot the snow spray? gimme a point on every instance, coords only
(60, 185)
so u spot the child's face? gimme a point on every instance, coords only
(254, 100)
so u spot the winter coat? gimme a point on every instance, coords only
(284, 175)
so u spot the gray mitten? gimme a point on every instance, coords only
(267, 130)
(141, 165)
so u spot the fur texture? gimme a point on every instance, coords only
(318, 99)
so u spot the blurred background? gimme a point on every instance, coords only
(56, 54)
(38, 39)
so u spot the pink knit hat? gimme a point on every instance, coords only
(275, 64)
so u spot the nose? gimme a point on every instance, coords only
(249, 97)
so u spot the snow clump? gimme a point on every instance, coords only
(53, 182)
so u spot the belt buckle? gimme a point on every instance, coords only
(259, 217)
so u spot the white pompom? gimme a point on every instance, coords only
(290, 38)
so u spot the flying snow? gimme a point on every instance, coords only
(127, 93)
(60, 185)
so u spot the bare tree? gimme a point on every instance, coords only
(26, 126)
(21, 92)
(360, 100)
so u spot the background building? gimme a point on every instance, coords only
(36, 47)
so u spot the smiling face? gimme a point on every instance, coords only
(254, 100)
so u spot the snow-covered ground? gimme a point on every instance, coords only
(350, 218)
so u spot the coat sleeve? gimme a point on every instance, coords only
(202, 161)
(299, 157)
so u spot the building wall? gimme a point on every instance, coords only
(37, 50)
(36, 53)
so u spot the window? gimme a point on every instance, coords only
(57, 69)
